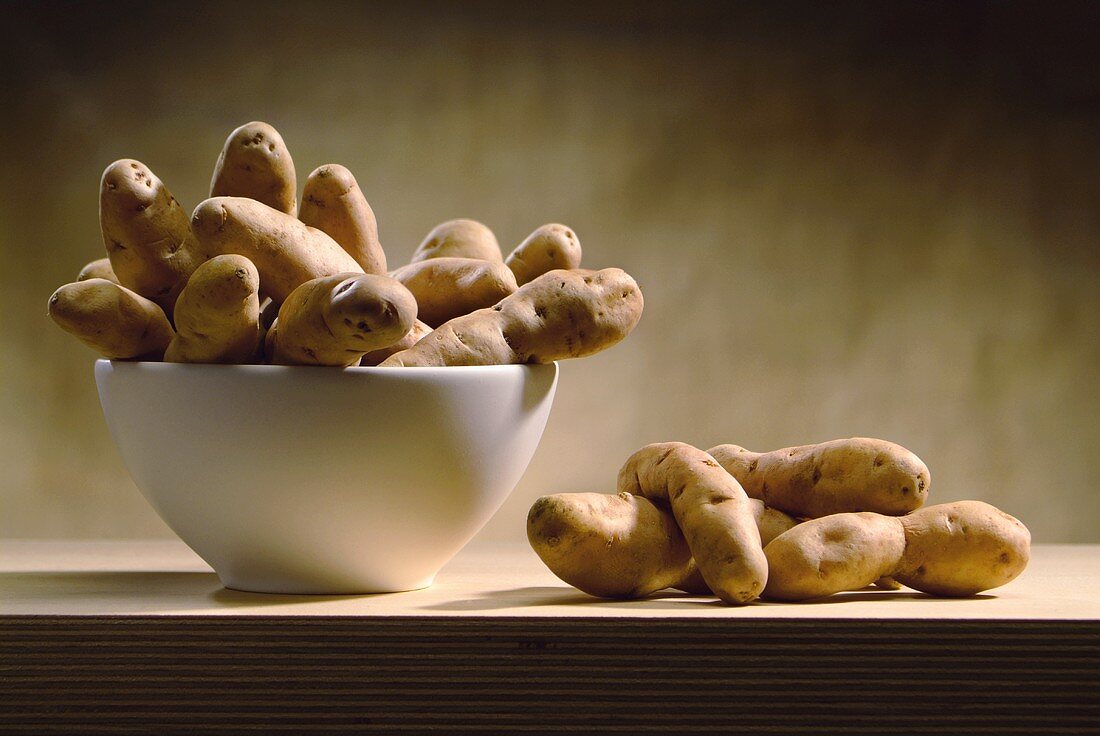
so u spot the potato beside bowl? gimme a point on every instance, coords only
(307, 480)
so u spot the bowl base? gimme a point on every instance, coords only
(269, 587)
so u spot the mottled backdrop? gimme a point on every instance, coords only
(878, 219)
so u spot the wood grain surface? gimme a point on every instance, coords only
(140, 638)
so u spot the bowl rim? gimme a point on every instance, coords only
(267, 368)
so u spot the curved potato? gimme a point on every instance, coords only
(98, 269)
(286, 252)
(335, 320)
(857, 474)
(218, 314)
(146, 234)
(712, 510)
(620, 546)
(116, 322)
(550, 247)
(333, 203)
(832, 554)
(255, 163)
(559, 315)
(446, 288)
(418, 332)
(952, 549)
(460, 239)
(962, 548)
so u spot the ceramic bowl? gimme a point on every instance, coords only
(323, 481)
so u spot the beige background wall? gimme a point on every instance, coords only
(866, 220)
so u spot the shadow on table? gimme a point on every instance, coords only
(663, 600)
(122, 591)
(138, 592)
(547, 595)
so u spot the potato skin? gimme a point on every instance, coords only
(112, 320)
(857, 474)
(286, 252)
(335, 320)
(446, 288)
(559, 315)
(953, 549)
(832, 554)
(218, 314)
(711, 509)
(611, 546)
(333, 203)
(146, 233)
(461, 239)
(623, 546)
(255, 163)
(98, 269)
(962, 548)
(770, 522)
(549, 247)
(418, 332)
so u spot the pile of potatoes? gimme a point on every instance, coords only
(251, 277)
(795, 524)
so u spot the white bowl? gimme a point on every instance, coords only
(317, 480)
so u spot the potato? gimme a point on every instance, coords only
(255, 163)
(609, 546)
(460, 239)
(561, 314)
(712, 510)
(218, 314)
(952, 549)
(858, 474)
(98, 269)
(446, 288)
(549, 247)
(146, 234)
(962, 548)
(623, 546)
(770, 523)
(416, 334)
(333, 203)
(112, 320)
(335, 320)
(834, 553)
(286, 252)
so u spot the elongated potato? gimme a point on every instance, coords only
(952, 549)
(98, 269)
(335, 320)
(333, 203)
(112, 320)
(857, 474)
(255, 163)
(418, 332)
(550, 247)
(460, 239)
(287, 253)
(620, 546)
(623, 546)
(712, 510)
(218, 314)
(446, 288)
(146, 234)
(962, 548)
(561, 314)
(770, 523)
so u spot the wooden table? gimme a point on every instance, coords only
(140, 637)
